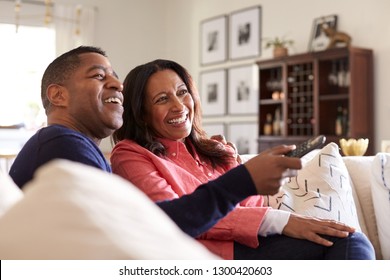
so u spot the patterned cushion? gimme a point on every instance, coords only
(321, 189)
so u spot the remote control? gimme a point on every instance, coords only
(307, 146)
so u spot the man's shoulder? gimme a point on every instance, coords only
(60, 134)
(55, 130)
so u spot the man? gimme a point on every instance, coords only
(82, 97)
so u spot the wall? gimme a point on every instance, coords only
(366, 21)
(136, 31)
(174, 32)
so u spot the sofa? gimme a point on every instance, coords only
(359, 185)
(370, 176)
(73, 211)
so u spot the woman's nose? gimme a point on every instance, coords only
(178, 104)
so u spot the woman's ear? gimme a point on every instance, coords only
(57, 95)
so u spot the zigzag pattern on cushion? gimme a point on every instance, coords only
(321, 189)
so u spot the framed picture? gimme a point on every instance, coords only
(245, 33)
(213, 92)
(318, 39)
(244, 136)
(243, 89)
(213, 41)
(215, 129)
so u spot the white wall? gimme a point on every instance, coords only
(136, 31)
(366, 21)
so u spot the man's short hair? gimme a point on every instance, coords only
(62, 67)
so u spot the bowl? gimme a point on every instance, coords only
(353, 147)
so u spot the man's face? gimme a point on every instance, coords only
(95, 97)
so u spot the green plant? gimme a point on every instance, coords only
(278, 42)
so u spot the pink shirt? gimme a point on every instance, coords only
(180, 173)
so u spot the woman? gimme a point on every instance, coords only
(162, 149)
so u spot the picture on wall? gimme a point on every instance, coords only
(244, 136)
(214, 129)
(213, 33)
(243, 90)
(318, 39)
(245, 33)
(213, 92)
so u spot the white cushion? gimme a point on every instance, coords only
(321, 189)
(359, 168)
(9, 192)
(73, 211)
(380, 188)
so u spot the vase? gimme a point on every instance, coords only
(280, 51)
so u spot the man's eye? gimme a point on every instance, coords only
(99, 76)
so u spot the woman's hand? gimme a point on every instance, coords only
(221, 138)
(310, 228)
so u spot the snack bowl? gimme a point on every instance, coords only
(354, 147)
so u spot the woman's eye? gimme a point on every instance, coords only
(183, 91)
(161, 99)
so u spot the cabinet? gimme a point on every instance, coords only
(328, 92)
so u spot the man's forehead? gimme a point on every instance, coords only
(93, 58)
(92, 61)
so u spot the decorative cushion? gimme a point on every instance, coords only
(73, 211)
(321, 189)
(9, 192)
(380, 189)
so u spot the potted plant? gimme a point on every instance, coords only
(280, 46)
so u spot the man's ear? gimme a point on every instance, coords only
(57, 95)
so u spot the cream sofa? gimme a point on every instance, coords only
(369, 178)
(369, 175)
(72, 211)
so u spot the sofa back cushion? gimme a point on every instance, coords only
(359, 168)
(73, 211)
(380, 189)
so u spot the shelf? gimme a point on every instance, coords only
(333, 97)
(270, 102)
(328, 92)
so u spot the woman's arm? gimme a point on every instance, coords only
(199, 208)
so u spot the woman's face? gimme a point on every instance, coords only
(169, 106)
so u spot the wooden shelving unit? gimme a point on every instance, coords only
(328, 92)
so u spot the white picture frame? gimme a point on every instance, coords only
(215, 129)
(318, 40)
(243, 89)
(213, 40)
(245, 33)
(213, 92)
(245, 137)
